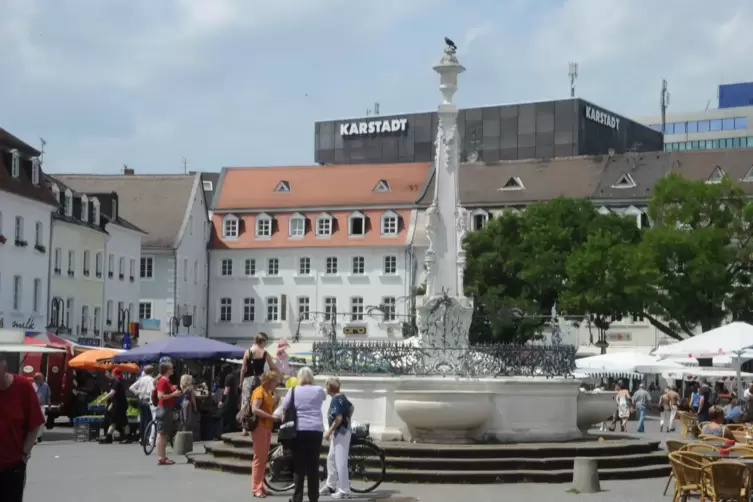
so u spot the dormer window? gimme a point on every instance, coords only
(479, 217)
(297, 225)
(382, 186)
(230, 227)
(283, 186)
(357, 224)
(84, 208)
(95, 211)
(625, 181)
(55, 192)
(389, 223)
(15, 163)
(717, 175)
(68, 203)
(35, 171)
(114, 214)
(513, 183)
(263, 225)
(748, 176)
(324, 225)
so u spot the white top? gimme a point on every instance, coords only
(143, 388)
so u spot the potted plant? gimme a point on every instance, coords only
(3, 240)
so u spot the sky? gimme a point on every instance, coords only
(149, 83)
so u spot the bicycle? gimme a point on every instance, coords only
(366, 465)
(149, 440)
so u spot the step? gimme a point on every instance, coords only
(222, 450)
(238, 466)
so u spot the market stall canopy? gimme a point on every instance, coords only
(181, 347)
(625, 362)
(13, 340)
(596, 373)
(91, 360)
(729, 340)
(51, 340)
(711, 374)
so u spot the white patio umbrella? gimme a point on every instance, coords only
(626, 362)
(731, 340)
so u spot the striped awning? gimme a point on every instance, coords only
(587, 373)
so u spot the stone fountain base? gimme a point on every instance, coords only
(461, 410)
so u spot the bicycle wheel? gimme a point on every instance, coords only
(366, 466)
(279, 474)
(150, 437)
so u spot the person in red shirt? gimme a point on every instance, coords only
(167, 395)
(20, 420)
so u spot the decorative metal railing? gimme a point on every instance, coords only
(399, 358)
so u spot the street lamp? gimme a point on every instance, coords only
(124, 319)
(174, 321)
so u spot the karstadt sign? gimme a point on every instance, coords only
(602, 118)
(376, 127)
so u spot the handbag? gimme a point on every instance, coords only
(250, 420)
(289, 428)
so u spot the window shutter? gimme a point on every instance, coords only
(283, 307)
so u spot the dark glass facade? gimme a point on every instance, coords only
(510, 132)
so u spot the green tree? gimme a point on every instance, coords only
(700, 244)
(609, 276)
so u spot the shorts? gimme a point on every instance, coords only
(165, 420)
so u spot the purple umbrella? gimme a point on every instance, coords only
(181, 347)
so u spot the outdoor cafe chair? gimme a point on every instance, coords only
(687, 468)
(726, 480)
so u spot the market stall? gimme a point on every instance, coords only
(98, 360)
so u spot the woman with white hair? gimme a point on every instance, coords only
(189, 413)
(307, 400)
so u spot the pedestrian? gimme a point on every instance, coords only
(142, 389)
(252, 369)
(167, 397)
(20, 420)
(263, 402)
(704, 401)
(641, 401)
(44, 395)
(117, 409)
(338, 434)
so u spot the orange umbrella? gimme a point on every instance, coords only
(91, 361)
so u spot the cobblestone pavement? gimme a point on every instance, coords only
(64, 471)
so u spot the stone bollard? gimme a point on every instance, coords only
(183, 443)
(586, 475)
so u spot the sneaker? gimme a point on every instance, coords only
(340, 495)
(326, 490)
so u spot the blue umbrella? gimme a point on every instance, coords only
(181, 347)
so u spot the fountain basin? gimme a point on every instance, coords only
(443, 416)
(594, 408)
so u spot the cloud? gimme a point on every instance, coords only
(241, 82)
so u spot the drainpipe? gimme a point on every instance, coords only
(206, 292)
(103, 308)
(50, 261)
(175, 293)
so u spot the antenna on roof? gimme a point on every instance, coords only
(572, 72)
(376, 108)
(41, 150)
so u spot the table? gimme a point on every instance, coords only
(737, 457)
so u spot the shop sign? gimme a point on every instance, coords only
(373, 127)
(602, 118)
(90, 342)
(619, 337)
(19, 322)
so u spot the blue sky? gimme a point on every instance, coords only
(241, 82)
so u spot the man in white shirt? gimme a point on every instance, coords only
(142, 388)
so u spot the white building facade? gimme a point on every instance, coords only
(122, 283)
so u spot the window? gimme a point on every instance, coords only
(98, 264)
(58, 261)
(331, 265)
(230, 227)
(87, 262)
(388, 308)
(147, 267)
(17, 292)
(37, 298)
(68, 205)
(68, 310)
(382, 186)
(357, 224)
(84, 208)
(121, 268)
(207, 185)
(514, 183)
(273, 309)
(250, 267)
(196, 271)
(226, 267)
(84, 319)
(324, 225)
(715, 124)
(728, 124)
(297, 225)
(71, 265)
(38, 234)
(356, 308)
(390, 265)
(110, 265)
(692, 127)
(283, 186)
(479, 218)
(273, 266)
(703, 126)
(226, 310)
(120, 311)
(624, 181)
(304, 306)
(19, 229)
(145, 309)
(95, 210)
(15, 163)
(263, 226)
(185, 269)
(716, 175)
(249, 310)
(97, 316)
(741, 123)
(359, 265)
(304, 266)
(108, 312)
(132, 269)
(389, 223)
(330, 308)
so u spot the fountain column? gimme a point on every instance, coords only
(444, 313)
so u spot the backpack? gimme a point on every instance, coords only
(155, 397)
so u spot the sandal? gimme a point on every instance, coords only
(165, 461)
(260, 495)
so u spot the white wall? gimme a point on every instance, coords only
(373, 286)
(120, 290)
(78, 291)
(25, 262)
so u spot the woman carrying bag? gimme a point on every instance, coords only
(263, 401)
(303, 431)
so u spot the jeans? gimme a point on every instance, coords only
(641, 412)
(337, 462)
(261, 437)
(145, 416)
(306, 447)
(12, 483)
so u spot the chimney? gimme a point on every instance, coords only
(127, 171)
